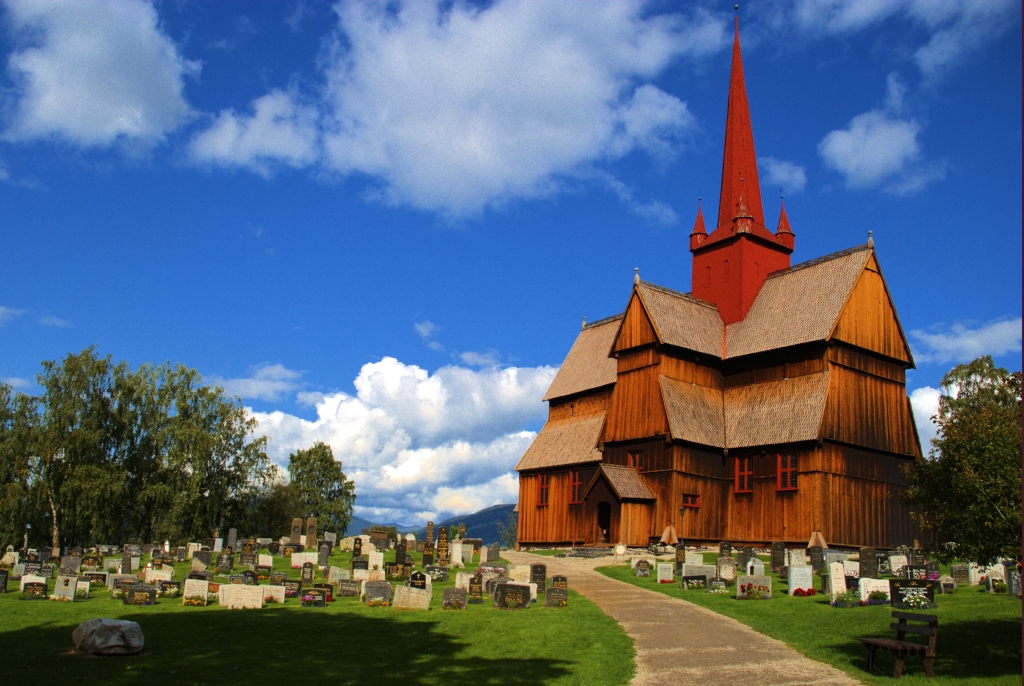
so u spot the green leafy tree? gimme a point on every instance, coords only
(509, 531)
(323, 490)
(969, 488)
(16, 413)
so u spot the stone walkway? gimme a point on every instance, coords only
(681, 643)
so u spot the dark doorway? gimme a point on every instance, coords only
(604, 522)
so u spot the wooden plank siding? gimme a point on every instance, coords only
(588, 404)
(774, 365)
(636, 328)
(637, 409)
(868, 411)
(558, 522)
(869, 319)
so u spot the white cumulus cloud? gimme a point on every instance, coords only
(925, 402)
(960, 343)
(454, 107)
(788, 176)
(416, 442)
(879, 147)
(269, 382)
(94, 73)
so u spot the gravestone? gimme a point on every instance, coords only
(455, 549)
(195, 590)
(643, 568)
(278, 578)
(665, 573)
(418, 580)
(512, 596)
(314, 597)
(377, 561)
(725, 567)
(691, 558)
(357, 546)
(347, 588)
(560, 581)
(442, 545)
(272, 594)
(274, 548)
(241, 597)
(34, 589)
(680, 558)
(377, 590)
(204, 557)
(1013, 584)
(817, 557)
(693, 582)
(307, 573)
(428, 558)
(246, 559)
(17, 571)
(901, 590)
(539, 575)
(796, 558)
(717, 584)
(867, 586)
(140, 594)
(556, 597)
(743, 556)
(836, 579)
(801, 577)
(233, 539)
(430, 534)
(292, 588)
(311, 533)
(251, 578)
(331, 538)
(3, 581)
(225, 562)
(915, 572)
(946, 585)
(296, 533)
(71, 563)
(746, 584)
(65, 587)
(236, 579)
(360, 562)
(706, 571)
(868, 563)
(166, 587)
(494, 552)
(897, 563)
(778, 559)
(436, 572)
(724, 549)
(476, 589)
(202, 576)
(454, 599)
(462, 580)
(520, 574)
(852, 568)
(323, 556)
(755, 567)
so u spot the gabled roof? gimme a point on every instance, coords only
(587, 366)
(682, 320)
(797, 305)
(769, 413)
(626, 483)
(565, 441)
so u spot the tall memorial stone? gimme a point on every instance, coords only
(295, 536)
(442, 546)
(778, 555)
(430, 534)
(311, 533)
(462, 529)
(868, 563)
(817, 557)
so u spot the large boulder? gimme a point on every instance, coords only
(108, 637)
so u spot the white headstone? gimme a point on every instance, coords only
(797, 557)
(265, 560)
(239, 597)
(755, 567)
(462, 580)
(801, 577)
(868, 586)
(338, 574)
(897, 563)
(376, 560)
(851, 568)
(995, 572)
(30, 579)
(836, 579)
(413, 598)
(455, 550)
(467, 554)
(725, 567)
(275, 592)
(700, 570)
(196, 588)
(360, 575)
(218, 545)
(82, 587)
(974, 574)
(520, 574)
(664, 572)
(694, 558)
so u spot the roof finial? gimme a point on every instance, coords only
(781, 196)
(871, 240)
(636, 274)
(584, 323)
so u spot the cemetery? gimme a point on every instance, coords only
(823, 602)
(351, 607)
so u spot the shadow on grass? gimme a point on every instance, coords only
(965, 649)
(275, 647)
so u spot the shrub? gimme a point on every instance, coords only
(847, 599)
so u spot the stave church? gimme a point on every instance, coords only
(767, 404)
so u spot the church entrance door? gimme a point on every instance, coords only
(604, 522)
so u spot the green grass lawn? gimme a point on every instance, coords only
(978, 643)
(548, 552)
(347, 642)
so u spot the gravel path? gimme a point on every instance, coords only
(681, 643)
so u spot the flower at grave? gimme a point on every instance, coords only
(917, 601)
(193, 602)
(999, 586)
(60, 599)
(695, 583)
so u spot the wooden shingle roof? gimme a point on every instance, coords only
(587, 366)
(626, 483)
(797, 305)
(565, 441)
(682, 320)
(769, 413)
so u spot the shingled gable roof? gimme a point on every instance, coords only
(682, 320)
(626, 483)
(798, 305)
(565, 441)
(587, 366)
(769, 413)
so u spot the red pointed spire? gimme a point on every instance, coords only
(784, 234)
(699, 233)
(739, 167)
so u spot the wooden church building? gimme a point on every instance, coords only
(767, 403)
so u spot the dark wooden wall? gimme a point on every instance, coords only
(558, 521)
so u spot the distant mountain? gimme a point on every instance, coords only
(482, 524)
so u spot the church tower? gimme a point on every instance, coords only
(731, 264)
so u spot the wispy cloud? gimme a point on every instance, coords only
(270, 382)
(9, 313)
(427, 330)
(57, 322)
(15, 381)
(960, 343)
(788, 176)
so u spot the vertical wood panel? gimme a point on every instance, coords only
(636, 329)
(869, 319)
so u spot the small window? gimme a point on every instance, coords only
(725, 270)
(542, 492)
(691, 500)
(745, 474)
(787, 472)
(635, 460)
(707, 277)
(575, 487)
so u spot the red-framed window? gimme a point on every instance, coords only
(542, 491)
(745, 474)
(691, 500)
(787, 472)
(575, 487)
(635, 459)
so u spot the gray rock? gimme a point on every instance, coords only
(108, 637)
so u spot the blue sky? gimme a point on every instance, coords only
(381, 225)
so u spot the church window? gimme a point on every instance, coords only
(744, 474)
(707, 277)
(787, 472)
(635, 459)
(575, 486)
(691, 500)
(542, 492)
(725, 271)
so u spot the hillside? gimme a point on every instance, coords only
(482, 524)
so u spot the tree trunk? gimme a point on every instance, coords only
(53, 527)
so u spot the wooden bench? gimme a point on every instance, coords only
(902, 649)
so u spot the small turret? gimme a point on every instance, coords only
(699, 233)
(784, 234)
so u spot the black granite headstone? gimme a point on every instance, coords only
(428, 558)
(347, 588)
(690, 583)
(560, 581)
(539, 576)
(868, 563)
(961, 574)
(360, 562)
(512, 596)
(251, 578)
(278, 578)
(724, 549)
(437, 572)
(418, 580)
(778, 555)
(901, 590)
(140, 594)
(454, 599)
(307, 573)
(476, 589)
(817, 557)
(274, 548)
(34, 590)
(915, 572)
(314, 597)
(225, 562)
(556, 597)
(292, 588)
(643, 568)
(377, 590)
